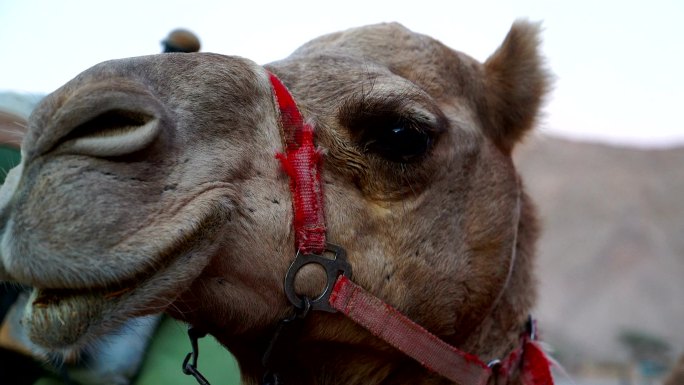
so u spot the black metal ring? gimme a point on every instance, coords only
(333, 269)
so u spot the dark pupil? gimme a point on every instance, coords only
(400, 143)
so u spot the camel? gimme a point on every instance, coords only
(154, 184)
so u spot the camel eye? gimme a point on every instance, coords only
(394, 128)
(398, 141)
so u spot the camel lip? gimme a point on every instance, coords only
(56, 320)
(48, 295)
(52, 288)
(59, 319)
(52, 297)
(66, 318)
(70, 318)
(62, 315)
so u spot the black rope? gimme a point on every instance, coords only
(190, 368)
(281, 337)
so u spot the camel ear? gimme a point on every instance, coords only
(516, 83)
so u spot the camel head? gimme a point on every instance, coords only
(150, 184)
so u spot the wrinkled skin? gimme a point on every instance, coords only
(150, 184)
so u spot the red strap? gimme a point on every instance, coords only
(536, 365)
(413, 340)
(302, 163)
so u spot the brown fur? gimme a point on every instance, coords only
(676, 375)
(12, 129)
(196, 218)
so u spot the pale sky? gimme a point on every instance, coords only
(619, 65)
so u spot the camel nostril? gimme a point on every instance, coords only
(109, 122)
(114, 132)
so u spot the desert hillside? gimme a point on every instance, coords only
(611, 257)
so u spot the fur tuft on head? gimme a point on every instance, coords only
(516, 83)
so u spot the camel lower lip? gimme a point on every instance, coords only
(64, 319)
(57, 320)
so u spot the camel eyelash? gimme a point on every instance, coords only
(394, 127)
(362, 107)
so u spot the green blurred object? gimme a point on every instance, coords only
(9, 157)
(48, 381)
(163, 361)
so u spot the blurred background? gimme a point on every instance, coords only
(606, 165)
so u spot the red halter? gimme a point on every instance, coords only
(302, 162)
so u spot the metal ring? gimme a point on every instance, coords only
(333, 269)
(493, 363)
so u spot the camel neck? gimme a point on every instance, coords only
(336, 364)
(363, 359)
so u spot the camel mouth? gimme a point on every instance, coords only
(64, 319)
(61, 316)
(67, 318)
(59, 319)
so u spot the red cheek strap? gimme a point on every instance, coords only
(302, 162)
